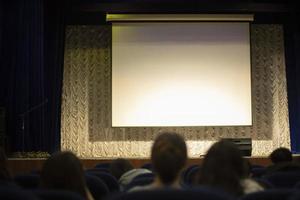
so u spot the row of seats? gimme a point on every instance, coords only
(166, 194)
(106, 183)
(206, 194)
(7, 193)
(287, 179)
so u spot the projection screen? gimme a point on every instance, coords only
(181, 74)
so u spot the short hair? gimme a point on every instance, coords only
(280, 155)
(64, 171)
(119, 166)
(168, 155)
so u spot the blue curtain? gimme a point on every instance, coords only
(31, 73)
(292, 55)
(55, 17)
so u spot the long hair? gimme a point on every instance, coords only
(64, 171)
(168, 155)
(223, 167)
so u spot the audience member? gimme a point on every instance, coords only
(224, 168)
(168, 156)
(64, 171)
(124, 171)
(281, 155)
(282, 160)
(120, 166)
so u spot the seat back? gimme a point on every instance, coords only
(258, 172)
(271, 194)
(96, 186)
(190, 176)
(295, 196)
(184, 174)
(28, 181)
(9, 193)
(264, 183)
(57, 194)
(103, 165)
(98, 170)
(147, 166)
(139, 182)
(256, 166)
(145, 175)
(108, 179)
(171, 194)
(283, 179)
(297, 185)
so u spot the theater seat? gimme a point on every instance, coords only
(264, 183)
(297, 185)
(108, 179)
(185, 173)
(258, 172)
(96, 186)
(171, 194)
(104, 165)
(145, 175)
(57, 194)
(27, 181)
(148, 166)
(283, 179)
(139, 182)
(98, 170)
(271, 194)
(16, 194)
(190, 175)
(295, 196)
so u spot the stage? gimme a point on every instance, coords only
(86, 108)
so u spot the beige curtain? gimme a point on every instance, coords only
(86, 104)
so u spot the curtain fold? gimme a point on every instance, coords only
(31, 73)
(54, 59)
(292, 53)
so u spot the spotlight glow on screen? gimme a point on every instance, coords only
(181, 74)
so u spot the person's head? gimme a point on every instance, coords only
(64, 171)
(223, 167)
(119, 166)
(281, 155)
(168, 156)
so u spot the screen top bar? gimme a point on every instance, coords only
(178, 17)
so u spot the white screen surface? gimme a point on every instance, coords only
(181, 74)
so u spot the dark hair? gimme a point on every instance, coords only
(223, 167)
(119, 166)
(63, 170)
(168, 155)
(248, 167)
(281, 155)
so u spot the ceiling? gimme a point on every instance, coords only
(93, 11)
